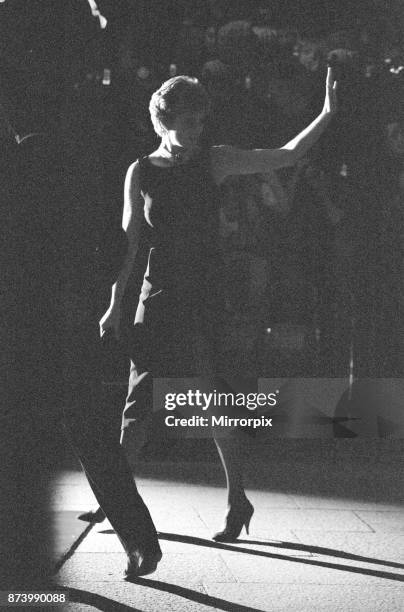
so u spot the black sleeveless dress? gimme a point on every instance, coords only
(180, 303)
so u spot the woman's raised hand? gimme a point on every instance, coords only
(111, 321)
(330, 102)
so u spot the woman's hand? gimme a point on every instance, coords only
(330, 102)
(111, 320)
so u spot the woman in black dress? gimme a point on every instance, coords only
(180, 306)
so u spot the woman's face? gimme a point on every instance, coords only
(185, 130)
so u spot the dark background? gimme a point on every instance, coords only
(330, 290)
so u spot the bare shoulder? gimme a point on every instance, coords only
(132, 179)
(132, 182)
(133, 170)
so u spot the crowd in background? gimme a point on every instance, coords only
(312, 280)
(312, 254)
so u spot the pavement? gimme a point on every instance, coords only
(327, 533)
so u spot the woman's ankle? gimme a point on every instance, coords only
(237, 499)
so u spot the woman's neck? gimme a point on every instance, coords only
(167, 146)
(175, 153)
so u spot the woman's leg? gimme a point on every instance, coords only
(137, 415)
(135, 427)
(233, 452)
(233, 446)
(110, 477)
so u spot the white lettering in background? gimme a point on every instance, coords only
(193, 421)
(204, 401)
(225, 421)
(217, 421)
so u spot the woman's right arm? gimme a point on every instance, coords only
(131, 223)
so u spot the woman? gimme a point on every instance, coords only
(174, 189)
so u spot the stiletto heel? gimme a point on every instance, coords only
(237, 518)
(247, 523)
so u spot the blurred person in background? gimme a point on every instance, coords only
(29, 360)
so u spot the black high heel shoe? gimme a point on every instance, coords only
(237, 518)
(142, 564)
(96, 516)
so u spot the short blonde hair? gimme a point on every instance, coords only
(177, 95)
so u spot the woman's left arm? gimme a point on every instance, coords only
(228, 161)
